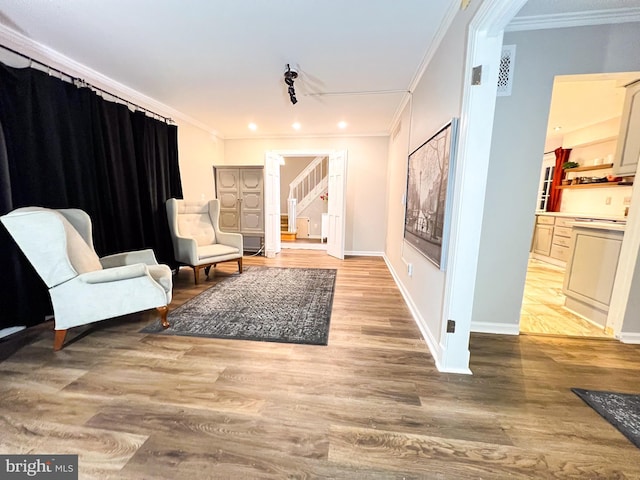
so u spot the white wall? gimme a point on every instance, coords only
(435, 101)
(366, 180)
(198, 150)
(517, 150)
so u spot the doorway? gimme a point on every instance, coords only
(304, 202)
(584, 119)
(318, 192)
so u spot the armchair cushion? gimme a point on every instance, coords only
(217, 250)
(129, 258)
(194, 222)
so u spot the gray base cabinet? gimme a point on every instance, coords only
(591, 271)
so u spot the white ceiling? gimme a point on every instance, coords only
(221, 62)
(579, 101)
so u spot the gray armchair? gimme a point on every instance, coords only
(197, 239)
(83, 287)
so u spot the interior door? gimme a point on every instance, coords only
(337, 203)
(272, 204)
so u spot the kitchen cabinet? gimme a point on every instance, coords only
(561, 238)
(543, 235)
(628, 148)
(591, 268)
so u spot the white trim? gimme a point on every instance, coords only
(326, 135)
(484, 47)
(633, 338)
(364, 253)
(429, 338)
(39, 52)
(497, 328)
(432, 343)
(5, 332)
(303, 246)
(574, 19)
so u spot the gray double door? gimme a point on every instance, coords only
(240, 191)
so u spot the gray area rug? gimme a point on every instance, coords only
(622, 410)
(269, 304)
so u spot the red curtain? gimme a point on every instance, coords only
(555, 196)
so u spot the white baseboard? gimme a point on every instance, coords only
(303, 246)
(432, 344)
(5, 332)
(630, 338)
(363, 253)
(497, 328)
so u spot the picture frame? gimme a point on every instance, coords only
(430, 175)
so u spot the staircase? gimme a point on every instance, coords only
(305, 188)
(285, 234)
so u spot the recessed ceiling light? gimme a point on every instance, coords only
(296, 126)
(557, 129)
(253, 126)
(342, 124)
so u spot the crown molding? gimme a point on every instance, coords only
(41, 53)
(426, 59)
(574, 19)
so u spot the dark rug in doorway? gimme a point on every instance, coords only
(269, 304)
(622, 410)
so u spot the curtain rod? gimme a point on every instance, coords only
(82, 82)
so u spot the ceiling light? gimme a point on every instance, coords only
(296, 126)
(253, 126)
(557, 129)
(342, 124)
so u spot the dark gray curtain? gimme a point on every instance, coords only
(66, 147)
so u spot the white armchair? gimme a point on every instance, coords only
(83, 287)
(197, 239)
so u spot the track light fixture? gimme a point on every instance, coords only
(289, 76)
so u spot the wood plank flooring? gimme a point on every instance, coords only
(370, 405)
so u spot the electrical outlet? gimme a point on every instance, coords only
(410, 269)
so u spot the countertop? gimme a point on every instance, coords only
(616, 226)
(613, 218)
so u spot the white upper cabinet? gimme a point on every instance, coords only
(628, 149)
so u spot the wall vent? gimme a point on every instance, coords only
(505, 74)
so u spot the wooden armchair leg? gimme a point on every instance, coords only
(58, 340)
(196, 274)
(240, 265)
(163, 316)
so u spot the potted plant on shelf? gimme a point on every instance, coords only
(570, 164)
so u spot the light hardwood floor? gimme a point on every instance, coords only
(543, 309)
(370, 405)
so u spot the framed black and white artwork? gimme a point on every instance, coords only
(429, 188)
